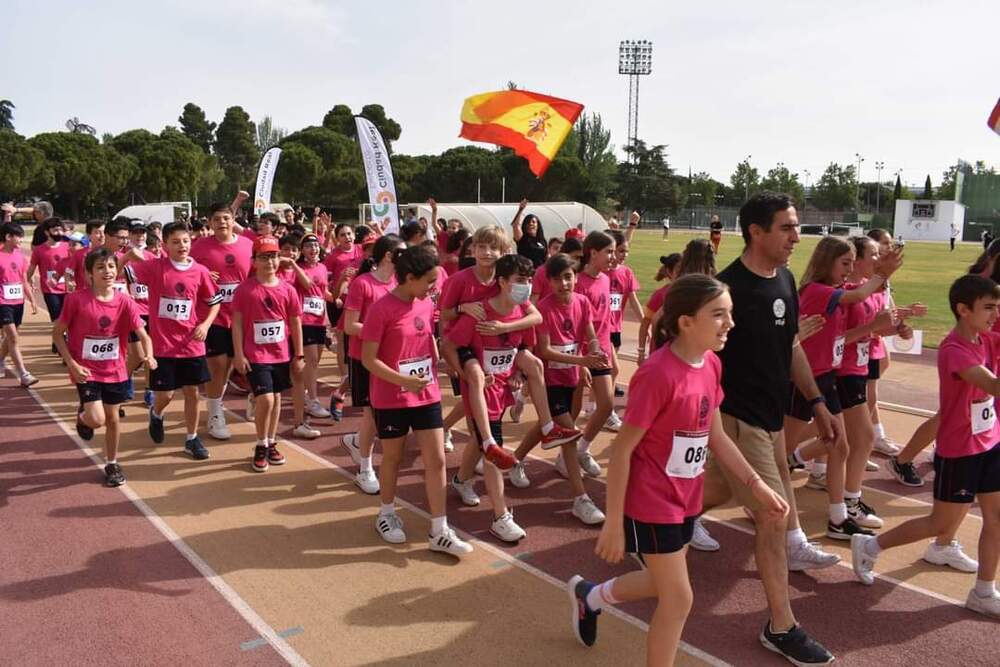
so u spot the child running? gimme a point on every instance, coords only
(13, 278)
(399, 352)
(967, 458)
(98, 320)
(655, 479)
(312, 281)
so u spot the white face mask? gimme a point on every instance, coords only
(520, 292)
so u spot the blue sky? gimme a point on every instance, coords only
(804, 83)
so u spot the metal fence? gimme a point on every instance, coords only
(699, 217)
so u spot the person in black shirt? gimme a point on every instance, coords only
(761, 359)
(715, 232)
(528, 236)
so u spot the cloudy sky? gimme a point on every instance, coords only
(909, 83)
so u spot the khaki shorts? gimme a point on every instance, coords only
(758, 448)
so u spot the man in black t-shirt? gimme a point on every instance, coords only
(761, 359)
(715, 232)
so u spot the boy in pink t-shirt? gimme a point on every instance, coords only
(47, 258)
(967, 458)
(99, 320)
(267, 313)
(13, 292)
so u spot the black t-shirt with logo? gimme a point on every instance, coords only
(533, 248)
(715, 226)
(757, 359)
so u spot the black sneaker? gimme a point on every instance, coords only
(83, 430)
(905, 473)
(584, 618)
(797, 646)
(155, 427)
(196, 449)
(619, 392)
(794, 465)
(113, 475)
(121, 413)
(845, 530)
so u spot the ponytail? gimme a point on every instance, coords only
(383, 246)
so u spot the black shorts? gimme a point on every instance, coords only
(496, 430)
(656, 538)
(54, 304)
(359, 384)
(269, 378)
(132, 338)
(465, 355)
(12, 315)
(394, 423)
(827, 383)
(219, 341)
(616, 339)
(600, 372)
(958, 480)
(333, 313)
(109, 393)
(313, 334)
(560, 399)
(852, 390)
(456, 387)
(175, 372)
(874, 369)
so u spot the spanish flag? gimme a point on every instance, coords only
(534, 125)
(993, 122)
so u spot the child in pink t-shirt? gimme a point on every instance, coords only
(399, 352)
(13, 292)
(669, 265)
(98, 320)
(312, 283)
(267, 315)
(967, 458)
(655, 476)
(624, 293)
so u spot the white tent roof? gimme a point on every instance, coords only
(556, 217)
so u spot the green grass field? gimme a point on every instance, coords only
(928, 270)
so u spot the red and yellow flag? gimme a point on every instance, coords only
(534, 125)
(994, 121)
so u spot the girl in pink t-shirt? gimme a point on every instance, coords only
(655, 476)
(289, 271)
(342, 264)
(312, 284)
(400, 353)
(668, 271)
(624, 293)
(13, 292)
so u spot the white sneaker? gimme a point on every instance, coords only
(586, 511)
(862, 514)
(314, 409)
(465, 491)
(809, 556)
(951, 555)
(871, 466)
(561, 466)
(990, 606)
(701, 540)
(448, 542)
(479, 466)
(217, 427)
(251, 407)
(614, 422)
(588, 465)
(26, 380)
(367, 481)
(504, 528)
(518, 409)
(350, 443)
(886, 446)
(862, 563)
(817, 482)
(518, 477)
(390, 528)
(449, 444)
(306, 431)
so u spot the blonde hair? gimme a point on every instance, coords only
(493, 236)
(820, 265)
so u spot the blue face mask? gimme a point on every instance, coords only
(520, 292)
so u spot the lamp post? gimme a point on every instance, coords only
(857, 185)
(635, 59)
(746, 161)
(879, 165)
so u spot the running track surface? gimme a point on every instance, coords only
(285, 567)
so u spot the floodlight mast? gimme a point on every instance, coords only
(635, 59)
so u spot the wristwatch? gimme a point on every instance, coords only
(813, 402)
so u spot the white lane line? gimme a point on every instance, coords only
(262, 627)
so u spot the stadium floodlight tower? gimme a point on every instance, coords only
(635, 59)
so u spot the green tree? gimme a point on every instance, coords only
(780, 179)
(298, 172)
(169, 167)
(269, 135)
(210, 177)
(235, 144)
(703, 190)
(23, 168)
(340, 119)
(86, 172)
(645, 179)
(333, 148)
(197, 128)
(389, 128)
(946, 191)
(453, 175)
(744, 182)
(928, 188)
(6, 115)
(836, 189)
(596, 154)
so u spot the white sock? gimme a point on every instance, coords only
(366, 464)
(262, 442)
(818, 468)
(487, 442)
(798, 457)
(192, 436)
(873, 548)
(795, 537)
(853, 495)
(581, 497)
(115, 460)
(985, 589)
(214, 406)
(879, 430)
(582, 445)
(152, 411)
(601, 595)
(838, 513)
(387, 508)
(547, 428)
(438, 525)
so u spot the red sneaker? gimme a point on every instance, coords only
(274, 457)
(560, 436)
(500, 457)
(260, 458)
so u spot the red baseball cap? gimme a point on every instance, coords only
(574, 233)
(265, 244)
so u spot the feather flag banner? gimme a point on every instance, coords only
(994, 120)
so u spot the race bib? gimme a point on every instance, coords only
(313, 305)
(983, 416)
(565, 348)
(863, 352)
(175, 309)
(498, 362)
(13, 292)
(100, 349)
(227, 290)
(51, 277)
(120, 287)
(838, 351)
(687, 458)
(616, 302)
(265, 333)
(417, 368)
(139, 291)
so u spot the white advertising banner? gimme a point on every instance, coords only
(381, 187)
(265, 179)
(897, 345)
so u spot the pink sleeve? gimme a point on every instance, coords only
(294, 302)
(69, 309)
(451, 293)
(206, 288)
(647, 393)
(959, 358)
(461, 334)
(374, 325)
(356, 295)
(131, 316)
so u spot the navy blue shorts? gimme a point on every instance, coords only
(360, 380)
(269, 378)
(175, 372)
(219, 341)
(54, 304)
(656, 538)
(560, 399)
(109, 393)
(12, 314)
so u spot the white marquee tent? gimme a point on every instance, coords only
(556, 217)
